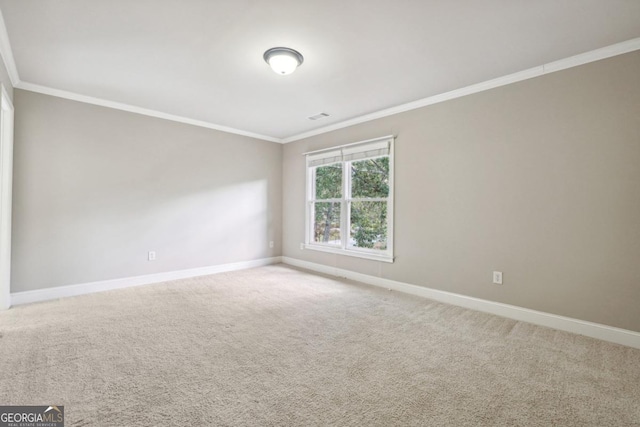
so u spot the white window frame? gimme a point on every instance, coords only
(335, 153)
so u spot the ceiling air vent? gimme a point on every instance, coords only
(318, 116)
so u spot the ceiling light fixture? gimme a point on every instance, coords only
(283, 60)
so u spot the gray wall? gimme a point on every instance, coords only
(95, 189)
(539, 179)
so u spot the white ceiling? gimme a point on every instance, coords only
(202, 59)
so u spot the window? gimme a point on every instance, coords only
(350, 200)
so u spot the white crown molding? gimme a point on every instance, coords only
(7, 53)
(593, 56)
(9, 62)
(562, 64)
(138, 110)
(46, 294)
(568, 324)
(551, 67)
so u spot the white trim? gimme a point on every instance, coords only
(391, 206)
(568, 324)
(38, 295)
(457, 93)
(6, 179)
(7, 53)
(592, 56)
(138, 110)
(562, 64)
(348, 252)
(573, 61)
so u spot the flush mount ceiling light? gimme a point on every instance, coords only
(283, 60)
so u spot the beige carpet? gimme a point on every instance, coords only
(279, 346)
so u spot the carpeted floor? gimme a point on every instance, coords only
(280, 346)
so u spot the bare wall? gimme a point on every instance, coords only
(539, 180)
(95, 189)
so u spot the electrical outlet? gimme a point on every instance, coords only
(271, 244)
(152, 255)
(497, 277)
(301, 246)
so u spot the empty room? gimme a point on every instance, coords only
(311, 213)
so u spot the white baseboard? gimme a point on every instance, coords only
(38, 295)
(568, 324)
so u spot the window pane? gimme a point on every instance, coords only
(370, 178)
(326, 226)
(368, 225)
(329, 181)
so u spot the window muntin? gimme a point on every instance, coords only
(350, 200)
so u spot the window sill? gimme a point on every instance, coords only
(347, 252)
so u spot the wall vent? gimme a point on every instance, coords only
(318, 116)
